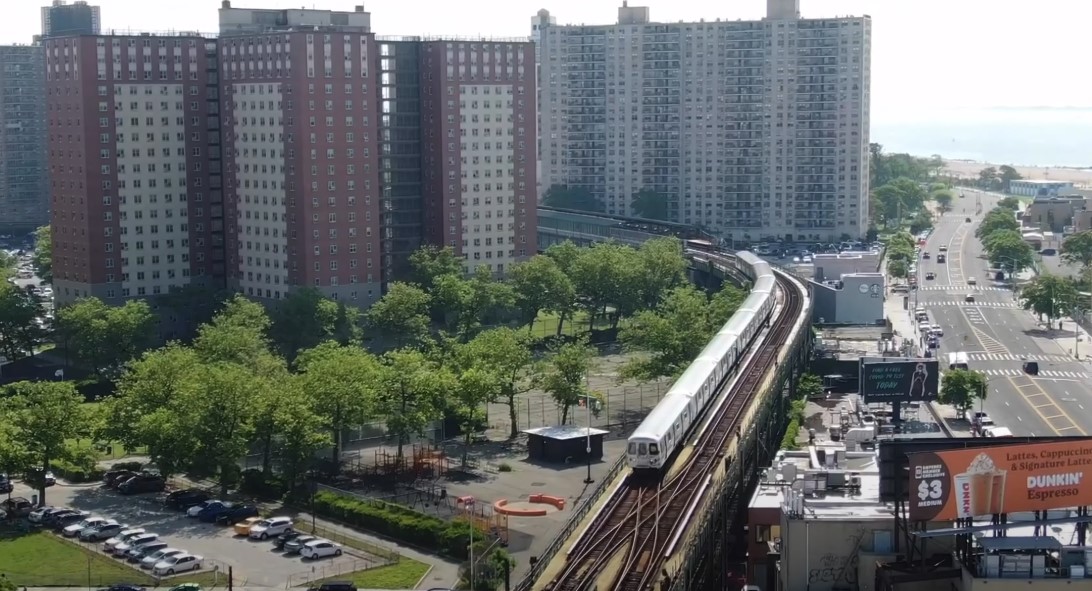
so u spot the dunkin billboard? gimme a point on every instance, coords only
(982, 481)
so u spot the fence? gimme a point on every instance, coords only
(328, 570)
(574, 521)
(623, 406)
(377, 554)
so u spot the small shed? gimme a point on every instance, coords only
(563, 444)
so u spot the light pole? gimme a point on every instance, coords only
(587, 447)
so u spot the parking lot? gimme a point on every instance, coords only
(254, 563)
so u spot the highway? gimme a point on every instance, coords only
(999, 335)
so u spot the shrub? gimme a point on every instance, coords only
(255, 482)
(399, 523)
(131, 466)
(504, 467)
(74, 473)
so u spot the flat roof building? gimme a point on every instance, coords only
(24, 178)
(79, 18)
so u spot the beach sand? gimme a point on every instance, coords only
(969, 168)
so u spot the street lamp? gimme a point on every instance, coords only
(587, 447)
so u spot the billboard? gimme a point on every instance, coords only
(899, 379)
(958, 484)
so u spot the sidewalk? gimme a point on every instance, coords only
(1083, 329)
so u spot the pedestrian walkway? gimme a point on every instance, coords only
(965, 304)
(1013, 372)
(962, 288)
(1011, 357)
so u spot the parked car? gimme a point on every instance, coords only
(158, 556)
(186, 587)
(40, 514)
(142, 483)
(6, 485)
(179, 563)
(242, 528)
(335, 586)
(236, 514)
(267, 528)
(286, 537)
(196, 510)
(124, 587)
(212, 512)
(186, 498)
(17, 507)
(293, 546)
(137, 553)
(145, 538)
(101, 532)
(320, 549)
(123, 536)
(63, 519)
(110, 478)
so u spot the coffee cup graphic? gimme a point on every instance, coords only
(980, 490)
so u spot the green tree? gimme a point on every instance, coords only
(944, 199)
(411, 393)
(223, 427)
(564, 375)
(1006, 174)
(996, 219)
(342, 382)
(302, 432)
(673, 335)
(809, 386)
(961, 387)
(650, 205)
(1008, 249)
(43, 253)
(565, 254)
(603, 274)
(662, 267)
(565, 197)
(921, 221)
(106, 337)
(1049, 295)
(401, 317)
(306, 318)
(725, 303)
(988, 178)
(430, 263)
(898, 268)
(20, 335)
(43, 415)
(506, 352)
(540, 285)
(1077, 250)
(238, 334)
(470, 303)
(1009, 203)
(474, 387)
(193, 304)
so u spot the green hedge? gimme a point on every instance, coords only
(398, 523)
(74, 473)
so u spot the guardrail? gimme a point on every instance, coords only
(571, 525)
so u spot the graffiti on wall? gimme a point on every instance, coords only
(838, 567)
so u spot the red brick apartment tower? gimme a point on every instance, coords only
(132, 141)
(300, 117)
(478, 144)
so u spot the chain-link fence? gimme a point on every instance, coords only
(328, 570)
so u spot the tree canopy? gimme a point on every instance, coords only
(650, 205)
(43, 253)
(106, 337)
(1077, 250)
(961, 388)
(1049, 295)
(998, 218)
(566, 197)
(1008, 249)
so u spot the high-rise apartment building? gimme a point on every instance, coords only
(133, 138)
(78, 18)
(245, 21)
(24, 184)
(479, 149)
(753, 129)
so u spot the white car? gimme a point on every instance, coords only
(937, 330)
(75, 529)
(37, 515)
(320, 548)
(133, 542)
(179, 563)
(126, 535)
(268, 528)
(158, 556)
(194, 510)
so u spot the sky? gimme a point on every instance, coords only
(928, 56)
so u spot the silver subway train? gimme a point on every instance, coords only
(664, 429)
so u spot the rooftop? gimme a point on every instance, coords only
(564, 432)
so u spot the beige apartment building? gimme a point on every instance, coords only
(757, 130)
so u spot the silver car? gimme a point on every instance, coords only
(152, 559)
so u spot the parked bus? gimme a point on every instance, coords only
(958, 360)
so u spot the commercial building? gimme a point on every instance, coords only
(24, 182)
(1038, 187)
(133, 138)
(78, 18)
(755, 129)
(850, 299)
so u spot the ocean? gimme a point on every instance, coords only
(1028, 137)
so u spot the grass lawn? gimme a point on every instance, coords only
(546, 324)
(405, 574)
(45, 560)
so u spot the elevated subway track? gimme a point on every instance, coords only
(684, 524)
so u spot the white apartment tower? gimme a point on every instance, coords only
(756, 130)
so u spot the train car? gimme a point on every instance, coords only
(658, 437)
(660, 434)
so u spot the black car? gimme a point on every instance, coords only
(237, 514)
(6, 485)
(123, 587)
(186, 498)
(284, 538)
(142, 483)
(115, 477)
(1031, 368)
(335, 586)
(63, 519)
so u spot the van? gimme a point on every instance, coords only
(997, 432)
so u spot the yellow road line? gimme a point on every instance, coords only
(1057, 415)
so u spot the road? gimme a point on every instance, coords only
(998, 335)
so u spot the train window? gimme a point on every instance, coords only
(653, 449)
(642, 449)
(632, 448)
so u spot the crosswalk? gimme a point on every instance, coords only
(975, 304)
(1012, 372)
(1010, 357)
(961, 288)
